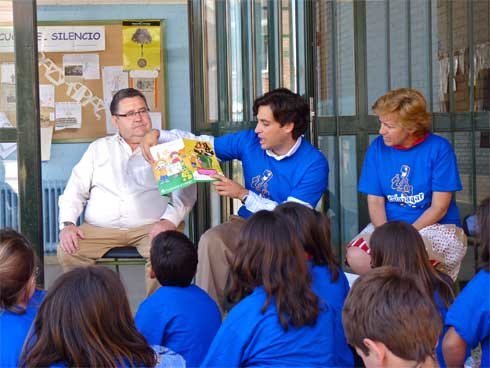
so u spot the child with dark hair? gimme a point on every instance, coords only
(390, 320)
(399, 244)
(328, 279)
(278, 319)
(19, 299)
(468, 319)
(85, 321)
(178, 315)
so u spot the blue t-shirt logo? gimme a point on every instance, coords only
(400, 181)
(260, 183)
(402, 185)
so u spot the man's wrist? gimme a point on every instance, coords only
(66, 224)
(244, 196)
(168, 221)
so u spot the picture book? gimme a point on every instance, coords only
(183, 162)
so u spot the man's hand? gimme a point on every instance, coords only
(160, 227)
(229, 188)
(69, 238)
(149, 140)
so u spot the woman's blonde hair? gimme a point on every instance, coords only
(410, 106)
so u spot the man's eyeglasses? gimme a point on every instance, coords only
(132, 114)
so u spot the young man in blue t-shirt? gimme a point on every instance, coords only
(279, 165)
(178, 315)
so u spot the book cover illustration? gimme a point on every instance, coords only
(183, 162)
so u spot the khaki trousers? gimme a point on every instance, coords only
(99, 240)
(216, 251)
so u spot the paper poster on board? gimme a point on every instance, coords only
(141, 45)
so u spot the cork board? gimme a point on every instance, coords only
(93, 115)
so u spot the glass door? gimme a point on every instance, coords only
(20, 161)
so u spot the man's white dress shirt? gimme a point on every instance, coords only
(119, 190)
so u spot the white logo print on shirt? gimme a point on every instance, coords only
(260, 183)
(402, 185)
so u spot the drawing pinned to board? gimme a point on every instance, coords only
(68, 115)
(7, 71)
(141, 44)
(46, 95)
(82, 65)
(113, 79)
(141, 37)
(77, 91)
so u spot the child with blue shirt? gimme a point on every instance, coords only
(328, 280)
(19, 299)
(85, 321)
(177, 315)
(389, 319)
(468, 319)
(399, 244)
(278, 319)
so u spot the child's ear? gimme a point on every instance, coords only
(377, 349)
(152, 274)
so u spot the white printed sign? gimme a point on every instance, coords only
(60, 38)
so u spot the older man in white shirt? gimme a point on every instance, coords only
(115, 185)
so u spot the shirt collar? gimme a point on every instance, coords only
(126, 145)
(289, 153)
(417, 142)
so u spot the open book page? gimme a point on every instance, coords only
(183, 162)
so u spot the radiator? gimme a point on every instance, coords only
(51, 192)
(9, 207)
(9, 210)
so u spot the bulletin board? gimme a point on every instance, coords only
(72, 88)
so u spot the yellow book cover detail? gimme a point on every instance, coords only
(183, 162)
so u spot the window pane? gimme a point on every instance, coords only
(482, 148)
(210, 62)
(348, 184)
(460, 56)
(345, 50)
(237, 170)
(399, 62)
(440, 56)
(7, 67)
(377, 68)
(328, 146)
(481, 37)
(419, 54)
(324, 57)
(9, 201)
(235, 50)
(261, 47)
(343, 210)
(462, 148)
(288, 57)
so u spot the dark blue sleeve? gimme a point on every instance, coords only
(369, 180)
(231, 146)
(469, 314)
(445, 175)
(313, 183)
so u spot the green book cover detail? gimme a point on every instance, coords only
(183, 162)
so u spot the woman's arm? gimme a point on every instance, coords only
(436, 211)
(377, 211)
(454, 349)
